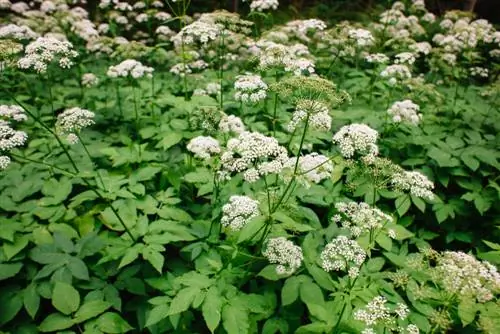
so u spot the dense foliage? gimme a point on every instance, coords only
(172, 174)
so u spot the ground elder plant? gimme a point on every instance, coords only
(168, 171)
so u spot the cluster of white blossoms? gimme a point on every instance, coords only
(405, 58)
(377, 58)
(197, 32)
(396, 73)
(275, 55)
(311, 168)
(360, 217)
(376, 312)
(343, 254)
(130, 67)
(262, 5)
(12, 112)
(405, 111)
(416, 183)
(285, 254)
(421, 47)
(361, 37)
(318, 113)
(43, 51)
(71, 121)
(479, 72)
(253, 154)
(357, 140)
(238, 211)
(231, 124)
(89, 80)
(9, 139)
(462, 274)
(204, 147)
(14, 31)
(250, 88)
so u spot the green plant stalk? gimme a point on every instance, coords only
(136, 112)
(18, 157)
(118, 99)
(338, 323)
(221, 69)
(275, 111)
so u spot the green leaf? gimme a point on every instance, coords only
(401, 233)
(419, 203)
(290, 290)
(11, 249)
(78, 268)
(111, 322)
(402, 204)
(470, 161)
(130, 256)
(235, 319)
(183, 300)
(8, 270)
(153, 257)
(252, 229)
(65, 298)
(269, 272)
(90, 310)
(31, 300)
(384, 241)
(212, 309)
(168, 140)
(443, 159)
(275, 325)
(11, 302)
(467, 310)
(55, 322)
(157, 314)
(310, 293)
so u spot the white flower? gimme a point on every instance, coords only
(428, 17)
(72, 121)
(10, 138)
(479, 72)
(89, 79)
(43, 51)
(361, 37)
(412, 329)
(198, 31)
(204, 147)
(311, 168)
(360, 217)
(262, 5)
(13, 31)
(4, 161)
(47, 6)
(130, 67)
(285, 254)
(341, 254)
(19, 7)
(396, 73)
(376, 311)
(377, 58)
(405, 111)
(414, 182)
(238, 211)
(231, 123)
(402, 311)
(422, 47)
(253, 154)
(142, 17)
(405, 58)
(250, 88)
(12, 112)
(319, 117)
(5, 4)
(180, 69)
(357, 139)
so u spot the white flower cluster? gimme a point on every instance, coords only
(343, 254)
(405, 58)
(232, 124)
(360, 217)
(357, 140)
(377, 312)
(311, 168)
(479, 72)
(465, 276)
(421, 47)
(285, 254)
(377, 58)
(254, 154)
(204, 147)
(396, 73)
(262, 5)
(8, 112)
(319, 115)
(361, 37)
(197, 32)
(250, 88)
(275, 55)
(89, 80)
(73, 120)
(43, 51)
(416, 183)
(238, 211)
(9, 139)
(130, 67)
(405, 111)
(14, 31)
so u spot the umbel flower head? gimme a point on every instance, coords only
(130, 67)
(285, 254)
(231, 123)
(343, 254)
(254, 154)
(204, 147)
(197, 32)
(316, 111)
(311, 168)
(461, 274)
(89, 80)
(72, 121)
(12, 112)
(405, 111)
(238, 211)
(377, 312)
(9, 139)
(357, 140)
(262, 5)
(275, 55)
(416, 183)
(360, 217)
(45, 50)
(250, 88)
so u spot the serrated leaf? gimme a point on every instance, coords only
(111, 322)
(290, 290)
(384, 241)
(402, 204)
(183, 300)
(252, 229)
(31, 300)
(310, 293)
(235, 319)
(157, 314)
(91, 310)
(78, 268)
(154, 257)
(467, 310)
(55, 322)
(212, 309)
(65, 298)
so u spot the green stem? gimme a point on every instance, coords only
(221, 69)
(118, 99)
(42, 163)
